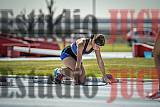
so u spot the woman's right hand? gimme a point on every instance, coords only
(77, 75)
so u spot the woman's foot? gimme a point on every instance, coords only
(58, 76)
(154, 95)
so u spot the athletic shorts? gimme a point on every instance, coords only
(67, 52)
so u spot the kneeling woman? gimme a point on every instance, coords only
(72, 58)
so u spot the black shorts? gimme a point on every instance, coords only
(66, 52)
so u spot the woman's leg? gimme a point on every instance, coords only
(70, 64)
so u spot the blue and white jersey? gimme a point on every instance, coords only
(74, 48)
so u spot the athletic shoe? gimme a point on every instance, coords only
(155, 95)
(58, 76)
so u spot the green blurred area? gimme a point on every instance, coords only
(116, 47)
(134, 65)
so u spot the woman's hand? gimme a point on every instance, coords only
(77, 72)
(108, 78)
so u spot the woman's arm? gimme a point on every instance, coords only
(80, 47)
(108, 78)
(100, 62)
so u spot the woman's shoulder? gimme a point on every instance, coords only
(81, 41)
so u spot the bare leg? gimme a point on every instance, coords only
(67, 72)
(157, 56)
(70, 63)
(157, 63)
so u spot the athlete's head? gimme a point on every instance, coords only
(98, 39)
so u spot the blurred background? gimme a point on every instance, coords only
(44, 27)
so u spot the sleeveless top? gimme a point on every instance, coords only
(74, 48)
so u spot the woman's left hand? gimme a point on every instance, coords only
(108, 78)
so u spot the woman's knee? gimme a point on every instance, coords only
(67, 71)
(69, 62)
